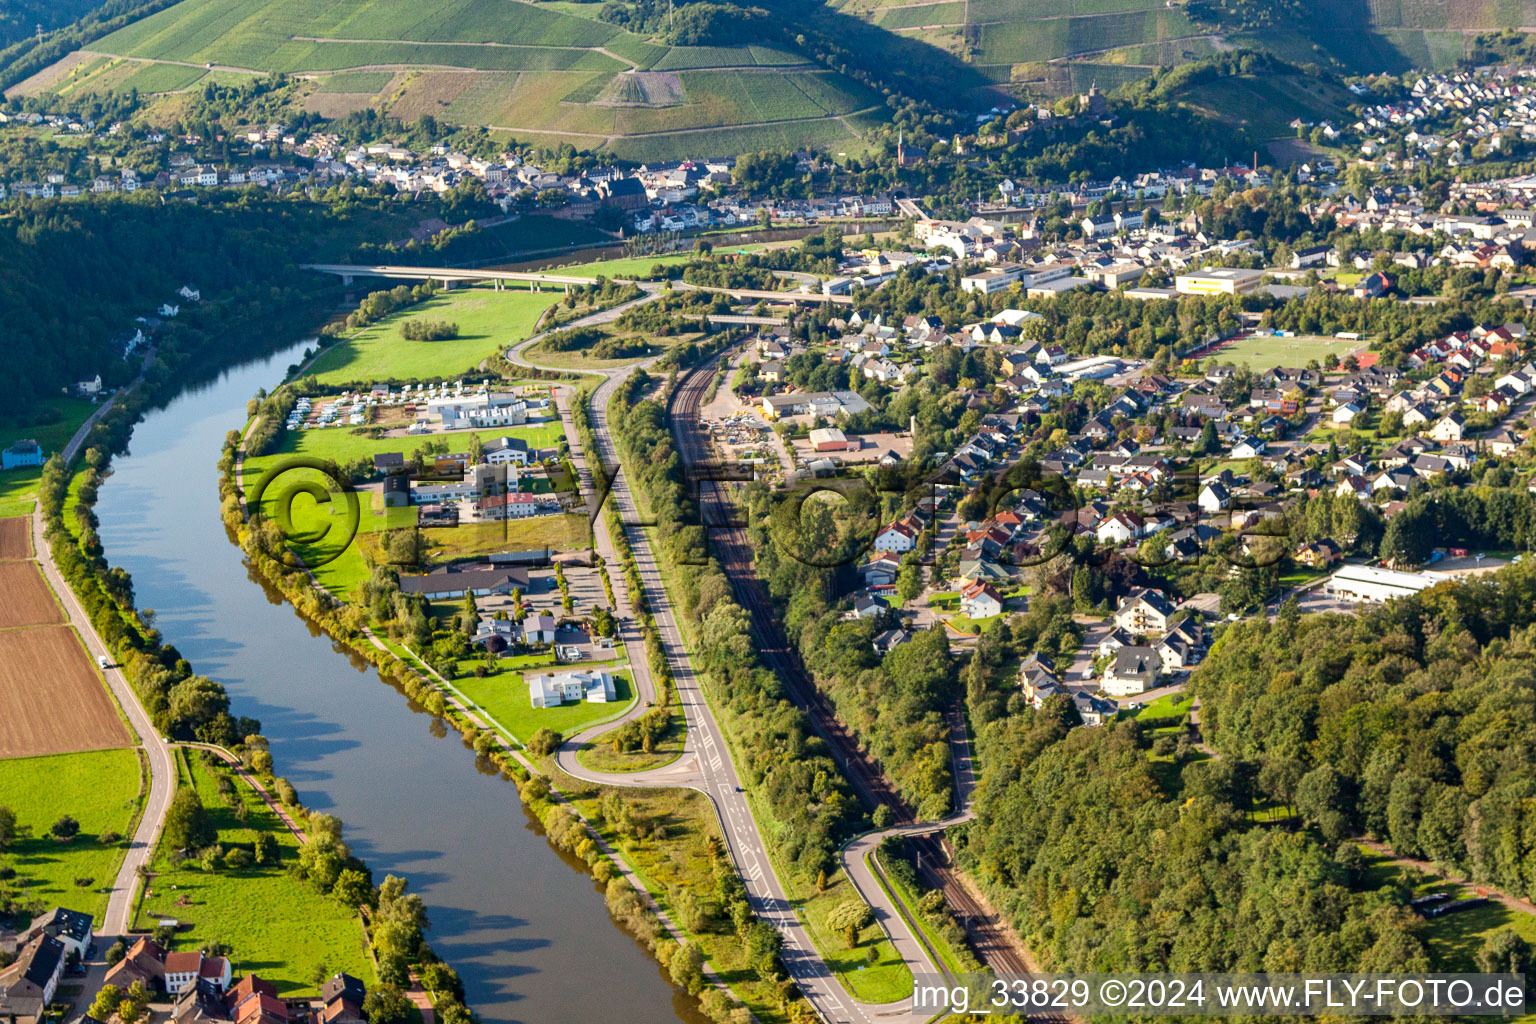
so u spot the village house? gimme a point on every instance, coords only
(1134, 670)
(1144, 611)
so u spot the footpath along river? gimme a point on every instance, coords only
(525, 928)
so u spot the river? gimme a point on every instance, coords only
(526, 929)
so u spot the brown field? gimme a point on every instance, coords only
(15, 538)
(429, 92)
(25, 599)
(51, 699)
(51, 75)
(337, 104)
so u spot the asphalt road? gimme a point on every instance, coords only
(162, 774)
(706, 764)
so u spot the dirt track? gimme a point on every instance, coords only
(51, 700)
(15, 538)
(25, 599)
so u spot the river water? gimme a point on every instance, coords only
(525, 928)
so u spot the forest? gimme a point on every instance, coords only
(1410, 722)
(80, 272)
(805, 550)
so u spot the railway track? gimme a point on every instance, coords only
(991, 939)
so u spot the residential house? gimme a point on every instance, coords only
(1214, 497)
(182, 970)
(980, 601)
(28, 984)
(71, 927)
(1134, 670)
(898, 537)
(881, 569)
(1449, 427)
(1144, 610)
(1094, 711)
(1319, 554)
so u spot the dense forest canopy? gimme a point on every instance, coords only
(79, 273)
(1410, 723)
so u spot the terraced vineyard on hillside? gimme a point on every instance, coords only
(551, 72)
(532, 72)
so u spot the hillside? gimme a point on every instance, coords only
(537, 72)
(1066, 47)
(812, 73)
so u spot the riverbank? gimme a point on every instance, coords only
(154, 685)
(596, 841)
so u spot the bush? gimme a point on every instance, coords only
(65, 828)
(545, 742)
(429, 330)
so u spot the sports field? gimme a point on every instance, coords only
(52, 699)
(1263, 353)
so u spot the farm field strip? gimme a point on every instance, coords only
(25, 599)
(15, 538)
(54, 700)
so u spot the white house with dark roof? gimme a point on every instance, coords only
(1133, 670)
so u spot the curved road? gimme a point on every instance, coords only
(705, 764)
(162, 774)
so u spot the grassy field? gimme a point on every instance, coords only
(100, 789)
(601, 757)
(826, 133)
(356, 81)
(582, 359)
(535, 68)
(487, 319)
(679, 859)
(1039, 39)
(1455, 938)
(1268, 105)
(18, 487)
(277, 925)
(503, 695)
(1263, 353)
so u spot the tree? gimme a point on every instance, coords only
(265, 848)
(545, 741)
(386, 1005)
(1322, 797)
(186, 823)
(1409, 537)
(687, 968)
(1504, 952)
(106, 1002)
(763, 942)
(909, 580)
(850, 918)
(65, 828)
(116, 952)
(8, 828)
(353, 888)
